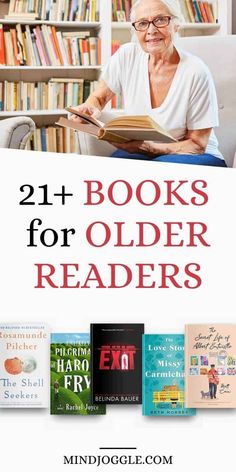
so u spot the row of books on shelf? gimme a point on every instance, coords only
(193, 11)
(199, 11)
(169, 374)
(54, 10)
(45, 46)
(54, 139)
(55, 94)
(121, 9)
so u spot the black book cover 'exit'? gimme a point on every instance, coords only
(116, 374)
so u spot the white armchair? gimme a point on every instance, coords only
(15, 132)
(218, 53)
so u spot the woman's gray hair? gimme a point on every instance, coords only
(172, 5)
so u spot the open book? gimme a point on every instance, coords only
(119, 130)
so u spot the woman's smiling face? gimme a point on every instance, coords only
(154, 40)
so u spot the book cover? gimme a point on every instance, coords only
(24, 357)
(210, 363)
(70, 375)
(163, 375)
(116, 363)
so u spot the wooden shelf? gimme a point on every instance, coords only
(60, 24)
(5, 114)
(200, 26)
(22, 68)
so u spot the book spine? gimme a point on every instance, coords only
(15, 46)
(12, 6)
(56, 45)
(49, 42)
(39, 48)
(9, 49)
(29, 45)
(198, 13)
(209, 12)
(99, 51)
(2, 47)
(93, 51)
(73, 9)
(80, 92)
(184, 11)
(190, 11)
(203, 13)
(62, 48)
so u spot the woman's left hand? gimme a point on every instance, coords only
(136, 147)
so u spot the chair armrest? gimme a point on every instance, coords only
(15, 132)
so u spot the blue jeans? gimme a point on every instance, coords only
(197, 159)
(212, 390)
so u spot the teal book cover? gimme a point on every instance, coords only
(70, 375)
(163, 375)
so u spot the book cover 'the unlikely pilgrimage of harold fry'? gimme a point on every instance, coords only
(163, 376)
(210, 362)
(70, 375)
(24, 360)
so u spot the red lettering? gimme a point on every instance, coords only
(94, 191)
(104, 357)
(97, 231)
(66, 275)
(45, 271)
(120, 243)
(128, 188)
(199, 192)
(193, 233)
(131, 359)
(143, 231)
(93, 276)
(192, 275)
(128, 273)
(170, 234)
(173, 192)
(115, 360)
(173, 270)
(157, 192)
(142, 276)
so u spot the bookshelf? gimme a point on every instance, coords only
(103, 28)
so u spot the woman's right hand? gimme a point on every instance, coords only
(88, 110)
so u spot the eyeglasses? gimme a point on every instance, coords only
(158, 22)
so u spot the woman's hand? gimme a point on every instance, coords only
(137, 147)
(88, 110)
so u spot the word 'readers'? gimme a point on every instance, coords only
(116, 363)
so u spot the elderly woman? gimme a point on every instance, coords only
(172, 86)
